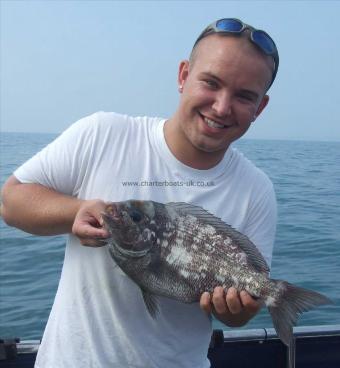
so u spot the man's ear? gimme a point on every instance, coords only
(183, 72)
(262, 105)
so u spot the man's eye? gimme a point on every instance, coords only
(247, 98)
(211, 84)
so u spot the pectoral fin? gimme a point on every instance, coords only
(150, 302)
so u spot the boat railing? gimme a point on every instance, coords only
(314, 347)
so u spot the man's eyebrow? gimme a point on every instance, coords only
(210, 75)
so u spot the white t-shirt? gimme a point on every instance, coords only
(98, 318)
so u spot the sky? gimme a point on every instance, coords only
(63, 60)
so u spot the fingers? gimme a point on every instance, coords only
(250, 304)
(205, 302)
(84, 230)
(231, 307)
(233, 301)
(219, 301)
(87, 224)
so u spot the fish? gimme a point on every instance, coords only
(179, 250)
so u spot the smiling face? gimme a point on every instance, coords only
(224, 88)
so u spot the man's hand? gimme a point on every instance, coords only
(88, 225)
(232, 308)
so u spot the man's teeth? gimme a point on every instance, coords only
(213, 124)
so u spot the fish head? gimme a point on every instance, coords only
(131, 225)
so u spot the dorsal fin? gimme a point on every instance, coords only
(254, 256)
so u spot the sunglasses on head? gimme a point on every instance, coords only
(258, 37)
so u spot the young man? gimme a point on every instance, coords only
(98, 318)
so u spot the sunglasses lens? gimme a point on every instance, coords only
(264, 42)
(229, 25)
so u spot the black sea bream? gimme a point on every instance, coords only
(179, 251)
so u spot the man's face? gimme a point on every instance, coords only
(223, 92)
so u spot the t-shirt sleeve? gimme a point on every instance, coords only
(261, 224)
(62, 165)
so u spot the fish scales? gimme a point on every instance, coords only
(195, 267)
(212, 256)
(179, 250)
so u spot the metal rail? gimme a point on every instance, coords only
(223, 346)
(268, 335)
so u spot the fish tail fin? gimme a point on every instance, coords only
(291, 303)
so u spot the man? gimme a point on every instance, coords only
(98, 318)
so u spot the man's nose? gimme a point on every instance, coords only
(222, 104)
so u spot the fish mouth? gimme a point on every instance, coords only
(111, 215)
(112, 210)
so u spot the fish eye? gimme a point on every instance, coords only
(135, 216)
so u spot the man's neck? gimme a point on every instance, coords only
(185, 152)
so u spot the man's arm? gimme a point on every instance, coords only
(43, 211)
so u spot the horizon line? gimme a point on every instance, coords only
(242, 138)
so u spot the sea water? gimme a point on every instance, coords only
(306, 176)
